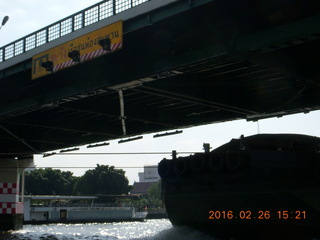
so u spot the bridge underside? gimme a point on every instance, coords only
(190, 63)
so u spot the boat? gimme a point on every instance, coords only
(77, 209)
(264, 186)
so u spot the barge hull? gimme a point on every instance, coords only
(261, 184)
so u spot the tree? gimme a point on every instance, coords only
(152, 199)
(154, 195)
(103, 179)
(49, 181)
(155, 190)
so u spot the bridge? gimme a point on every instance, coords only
(122, 68)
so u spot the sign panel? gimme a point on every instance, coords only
(78, 50)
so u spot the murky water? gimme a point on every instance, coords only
(150, 230)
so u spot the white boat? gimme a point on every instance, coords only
(75, 209)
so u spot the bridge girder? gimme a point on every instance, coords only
(188, 64)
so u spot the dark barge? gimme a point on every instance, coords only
(265, 186)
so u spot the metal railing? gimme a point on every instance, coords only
(67, 25)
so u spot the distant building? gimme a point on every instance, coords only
(148, 177)
(141, 188)
(149, 174)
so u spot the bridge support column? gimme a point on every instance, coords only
(11, 207)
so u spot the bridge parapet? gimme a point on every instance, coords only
(68, 25)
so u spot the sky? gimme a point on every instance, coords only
(191, 140)
(27, 16)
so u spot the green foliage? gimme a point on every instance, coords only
(49, 181)
(155, 190)
(154, 195)
(103, 179)
(152, 200)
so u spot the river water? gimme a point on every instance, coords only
(149, 230)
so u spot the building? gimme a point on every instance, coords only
(149, 174)
(148, 177)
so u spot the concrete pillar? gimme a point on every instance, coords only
(11, 207)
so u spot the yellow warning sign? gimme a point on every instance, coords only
(86, 47)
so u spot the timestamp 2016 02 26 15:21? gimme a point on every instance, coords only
(259, 215)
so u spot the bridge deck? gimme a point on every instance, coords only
(184, 64)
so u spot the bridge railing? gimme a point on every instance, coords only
(67, 25)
